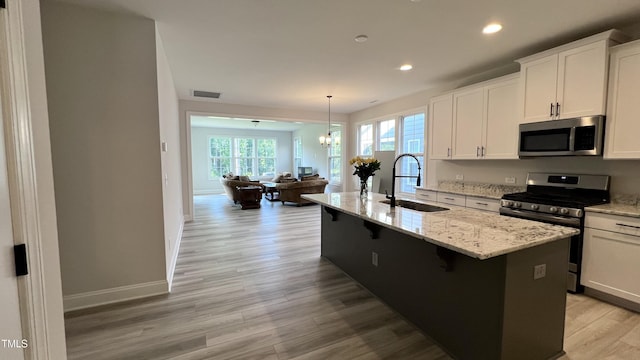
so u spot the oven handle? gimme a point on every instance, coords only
(558, 220)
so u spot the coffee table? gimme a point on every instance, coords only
(250, 196)
(270, 191)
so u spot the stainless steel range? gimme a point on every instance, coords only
(559, 199)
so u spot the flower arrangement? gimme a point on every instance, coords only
(364, 168)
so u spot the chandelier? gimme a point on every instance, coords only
(326, 140)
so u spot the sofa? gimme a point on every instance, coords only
(291, 191)
(230, 185)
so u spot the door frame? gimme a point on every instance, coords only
(21, 171)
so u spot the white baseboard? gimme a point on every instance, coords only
(174, 256)
(114, 295)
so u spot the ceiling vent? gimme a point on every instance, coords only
(206, 94)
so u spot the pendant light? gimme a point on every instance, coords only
(326, 140)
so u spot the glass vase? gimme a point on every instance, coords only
(364, 189)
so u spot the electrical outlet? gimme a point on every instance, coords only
(510, 180)
(374, 258)
(459, 177)
(539, 271)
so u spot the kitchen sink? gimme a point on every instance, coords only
(415, 205)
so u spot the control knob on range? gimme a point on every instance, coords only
(553, 209)
(507, 203)
(535, 207)
(517, 204)
(564, 211)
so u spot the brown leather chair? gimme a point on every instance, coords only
(291, 191)
(230, 187)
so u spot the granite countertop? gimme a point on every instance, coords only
(478, 234)
(489, 191)
(616, 209)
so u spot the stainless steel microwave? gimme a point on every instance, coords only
(568, 137)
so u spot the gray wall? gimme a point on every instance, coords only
(200, 155)
(103, 106)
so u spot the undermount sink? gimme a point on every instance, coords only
(415, 205)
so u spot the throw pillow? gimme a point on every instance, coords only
(244, 178)
(277, 178)
(311, 177)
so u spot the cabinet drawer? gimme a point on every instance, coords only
(452, 199)
(615, 223)
(483, 203)
(426, 195)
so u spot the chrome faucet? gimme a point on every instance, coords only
(392, 198)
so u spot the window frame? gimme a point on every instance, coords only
(235, 157)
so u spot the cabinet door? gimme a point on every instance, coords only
(582, 80)
(538, 80)
(623, 109)
(610, 263)
(501, 124)
(468, 117)
(441, 118)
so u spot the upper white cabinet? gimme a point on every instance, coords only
(440, 122)
(623, 109)
(468, 119)
(567, 81)
(484, 120)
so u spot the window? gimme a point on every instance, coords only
(266, 157)
(219, 157)
(365, 139)
(297, 153)
(242, 156)
(335, 157)
(412, 141)
(387, 135)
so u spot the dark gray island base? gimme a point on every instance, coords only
(475, 309)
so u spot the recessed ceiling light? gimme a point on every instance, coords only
(492, 28)
(361, 38)
(406, 67)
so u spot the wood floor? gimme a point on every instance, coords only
(250, 284)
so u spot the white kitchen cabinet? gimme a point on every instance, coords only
(440, 123)
(500, 133)
(480, 203)
(611, 255)
(567, 81)
(468, 119)
(426, 195)
(452, 199)
(485, 120)
(623, 108)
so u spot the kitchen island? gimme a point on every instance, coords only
(465, 277)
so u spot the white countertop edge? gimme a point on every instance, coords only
(615, 209)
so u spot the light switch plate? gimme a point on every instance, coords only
(459, 177)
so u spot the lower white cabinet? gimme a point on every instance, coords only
(426, 195)
(611, 255)
(482, 203)
(453, 199)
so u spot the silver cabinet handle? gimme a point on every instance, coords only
(630, 226)
(483, 151)
(484, 204)
(477, 151)
(557, 109)
(452, 199)
(448, 152)
(551, 110)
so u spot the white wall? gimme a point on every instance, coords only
(200, 154)
(56, 347)
(170, 159)
(102, 88)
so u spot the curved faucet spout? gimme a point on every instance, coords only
(392, 197)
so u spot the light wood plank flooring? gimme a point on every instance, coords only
(250, 284)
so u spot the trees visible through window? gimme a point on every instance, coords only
(242, 156)
(297, 153)
(335, 157)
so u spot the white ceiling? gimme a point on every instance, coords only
(292, 53)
